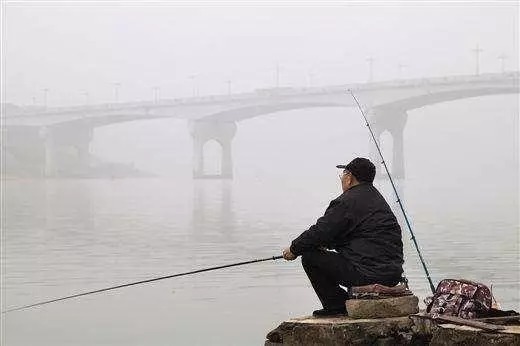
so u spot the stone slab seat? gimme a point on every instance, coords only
(380, 301)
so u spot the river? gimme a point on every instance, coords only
(61, 237)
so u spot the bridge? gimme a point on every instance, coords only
(48, 135)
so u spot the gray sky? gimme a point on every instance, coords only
(73, 48)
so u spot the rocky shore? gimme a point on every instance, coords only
(389, 321)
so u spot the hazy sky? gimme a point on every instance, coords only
(85, 47)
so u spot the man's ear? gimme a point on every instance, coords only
(347, 181)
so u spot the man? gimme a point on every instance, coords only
(364, 235)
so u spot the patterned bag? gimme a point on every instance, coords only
(461, 298)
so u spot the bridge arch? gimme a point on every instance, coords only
(203, 132)
(212, 151)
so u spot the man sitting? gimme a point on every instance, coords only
(364, 235)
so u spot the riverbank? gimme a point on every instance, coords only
(393, 321)
(407, 330)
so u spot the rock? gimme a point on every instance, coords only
(382, 308)
(450, 334)
(341, 331)
(416, 330)
(422, 328)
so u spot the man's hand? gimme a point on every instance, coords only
(288, 255)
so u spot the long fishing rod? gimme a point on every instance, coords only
(432, 287)
(142, 282)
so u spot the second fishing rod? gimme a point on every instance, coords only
(399, 201)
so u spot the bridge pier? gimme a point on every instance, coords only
(66, 150)
(23, 151)
(398, 153)
(393, 121)
(50, 150)
(374, 155)
(222, 133)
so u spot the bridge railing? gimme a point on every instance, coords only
(265, 93)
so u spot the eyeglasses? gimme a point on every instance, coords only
(342, 173)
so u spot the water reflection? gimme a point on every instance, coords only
(65, 201)
(213, 207)
(384, 186)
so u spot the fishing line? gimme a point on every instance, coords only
(432, 287)
(142, 282)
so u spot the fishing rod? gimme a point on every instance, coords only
(432, 287)
(143, 282)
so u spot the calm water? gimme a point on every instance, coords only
(63, 237)
(66, 236)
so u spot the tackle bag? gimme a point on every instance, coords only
(461, 298)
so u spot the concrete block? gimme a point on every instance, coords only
(340, 331)
(382, 308)
(449, 334)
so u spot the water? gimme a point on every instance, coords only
(101, 233)
(66, 236)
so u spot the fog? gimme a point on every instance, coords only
(149, 138)
(69, 48)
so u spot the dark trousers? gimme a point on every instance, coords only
(327, 270)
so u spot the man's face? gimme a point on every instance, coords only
(346, 180)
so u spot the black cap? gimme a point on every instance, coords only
(361, 168)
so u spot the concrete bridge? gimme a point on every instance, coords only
(43, 135)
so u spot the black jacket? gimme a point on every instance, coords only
(360, 225)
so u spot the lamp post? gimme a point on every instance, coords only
(370, 61)
(477, 50)
(86, 95)
(310, 78)
(277, 75)
(400, 68)
(156, 91)
(45, 92)
(502, 59)
(195, 85)
(228, 82)
(116, 85)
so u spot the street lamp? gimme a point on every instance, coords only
(86, 94)
(195, 85)
(370, 61)
(502, 59)
(477, 50)
(400, 68)
(45, 92)
(116, 85)
(277, 75)
(228, 82)
(310, 78)
(155, 90)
